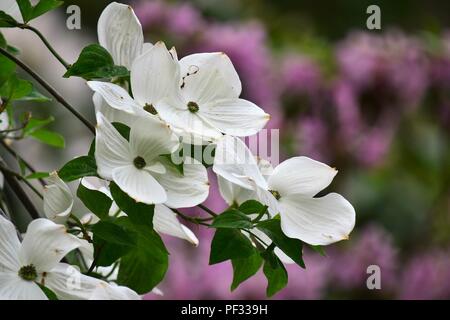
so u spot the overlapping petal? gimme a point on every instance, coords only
(165, 221)
(58, 199)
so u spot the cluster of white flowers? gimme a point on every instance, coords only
(168, 102)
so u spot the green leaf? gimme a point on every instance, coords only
(138, 212)
(95, 62)
(291, 247)
(252, 207)
(319, 249)
(6, 21)
(49, 293)
(146, 264)
(229, 244)
(37, 175)
(113, 233)
(35, 96)
(36, 124)
(48, 137)
(3, 43)
(123, 129)
(8, 69)
(244, 268)
(232, 219)
(97, 202)
(277, 276)
(15, 88)
(30, 12)
(111, 241)
(77, 168)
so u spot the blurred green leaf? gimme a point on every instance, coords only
(15, 88)
(37, 175)
(30, 12)
(35, 96)
(36, 124)
(6, 21)
(51, 138)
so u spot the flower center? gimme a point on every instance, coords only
(150, 108)
(192, 106)
(28, 273)
(276, 194)
(139, 162)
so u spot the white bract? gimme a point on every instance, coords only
(164, 219)
(289, 191)
(37, 260)
(198, 96)
(58, 200)
(138, 168)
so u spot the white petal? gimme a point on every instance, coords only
(267, 198)
(317, 221)
(233, 193)
(187, 190)
(139, 185)
(208, 77)
(45, 244)
(68, 283)
(120, 32)
(301, 175)
(154, 75)
(114, 114)
(194, 129)
(4, 120)
(115, 96)
(234, 162)
(165, 221)
(106, 291)
(9, 246)
(58, 200)
(15, 288)
(237, 117)
(111, 149)
(150, 138)
(11, 8)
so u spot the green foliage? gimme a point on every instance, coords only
(95, 62)
(30, 12)
(229, 244)
(49, 137)
(6, 21)
(14, 88)
(97, 202)
(244, 268)
(232, 219)
(291, 247)
(252, 207)
(37, 175)
(77, 168)
(275, 272)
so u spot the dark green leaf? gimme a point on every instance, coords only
(15, 88)
(123, 129)
(77, 168)
(30, 12)
(229, 244)
(244, 268)
(252, 207)
(35, 96)
(232, 219)
(6, 21)
(49, 137)
(319, 249)
(97, 202)
(291, 247)
(8, 69)
(146, 264)
(113, 233)
(277, 276)
(138, 212)
(49, 293)
(95, 62)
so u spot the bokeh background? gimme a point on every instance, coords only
(374, 104)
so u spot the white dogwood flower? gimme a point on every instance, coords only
(164, 219)
(37, 260)
(58, 199)
(137, 167)
(290, 191)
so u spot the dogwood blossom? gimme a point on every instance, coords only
(37, 261)
(58, 199)
(137, 167)
(164, 219)
(289, 191)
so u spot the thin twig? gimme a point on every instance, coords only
(208, 210)
(46, 43)
(49, 88)
(19, 177)
(192, 219)
(26, 163)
